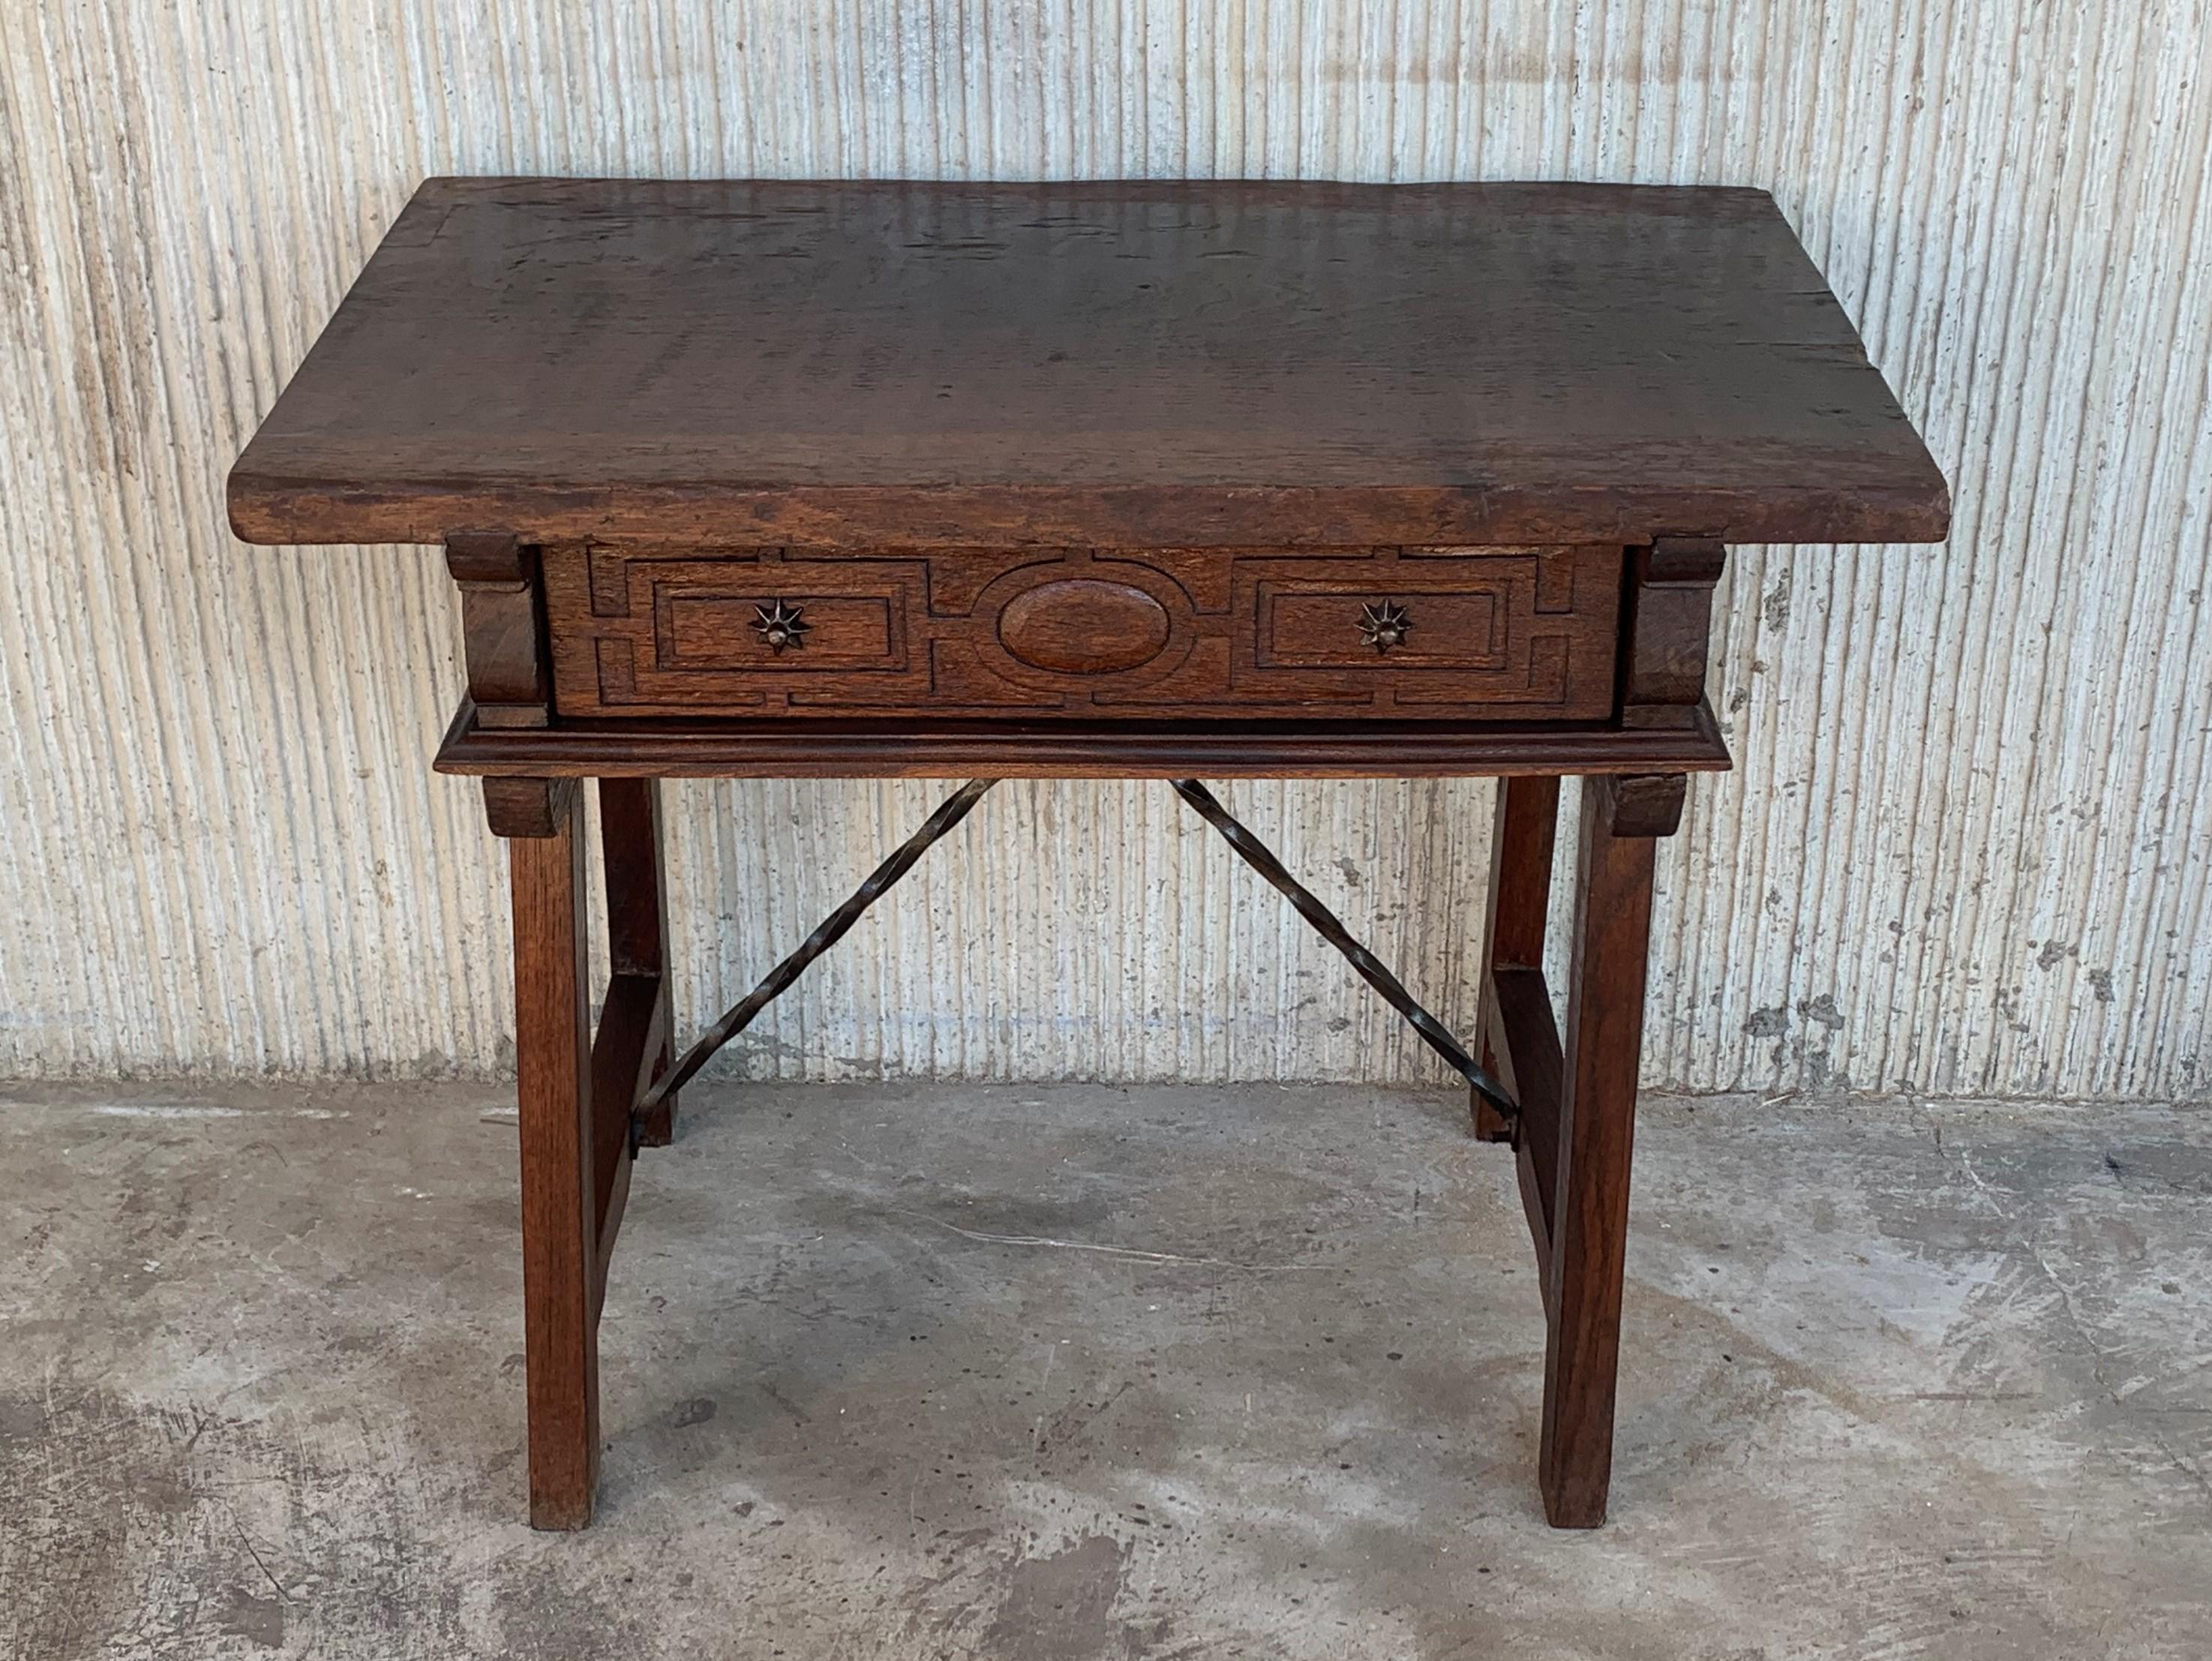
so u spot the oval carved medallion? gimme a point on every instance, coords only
(1082, 626)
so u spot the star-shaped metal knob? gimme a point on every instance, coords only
(1384, 625)
(780, 625)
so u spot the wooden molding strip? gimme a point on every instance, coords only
(1013, 749)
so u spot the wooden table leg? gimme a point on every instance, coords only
(1597, 1127)
(542, 821)
(637, 920)
(1521, 841)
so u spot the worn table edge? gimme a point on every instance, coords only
(272, 510)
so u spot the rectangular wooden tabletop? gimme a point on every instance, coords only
(844, 364)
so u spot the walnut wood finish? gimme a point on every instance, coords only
(1521, 834)
(1669, 613)
(1585, 1256)
(1514, 633)
(1146, 479)
(1084, 626)
(1646, 804)
(632, 1034)
(561, 1192)
(519, 807)
(1521, 1037)
(923, 747)
(637, 932)
(503, 627)
(1138, 364)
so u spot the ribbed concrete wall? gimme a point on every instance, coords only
(1967, 849)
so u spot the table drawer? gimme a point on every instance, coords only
(1498, 634)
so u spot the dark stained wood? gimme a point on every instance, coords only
(1518, 633)
(1151, 479)
(559, 1201)
(918, 747)
(1135, 364)
(528, 806)
(1588, 1214)
(1646, 805)
(637, 922)
(637, 918)
(1522, 831)
(633, 1028)
(1524, 1042)
(1083, 626)
(1527, 826)
(503, 627)
(1669, 617)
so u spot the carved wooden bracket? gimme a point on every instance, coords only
(503, 627)
(1670, 596)
(510, 668)
(1644, 804)
(530, 807)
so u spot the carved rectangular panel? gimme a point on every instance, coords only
(1503, 633)
(641, 632)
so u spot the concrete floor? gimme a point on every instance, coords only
(1084, 1373)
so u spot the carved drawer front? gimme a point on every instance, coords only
(1495, 634)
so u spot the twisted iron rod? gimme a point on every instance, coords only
(1256, 854)
(955, 808)
(778, 980)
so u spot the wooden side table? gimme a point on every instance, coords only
(1168, 480)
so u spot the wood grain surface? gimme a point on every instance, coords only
(1012, 747)
(633, 855)
(1585, 1256)
(839, 365)
(1524, 828)
(560, 1207)
(1505, 633)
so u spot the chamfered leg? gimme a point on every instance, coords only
(1620, 820)
(553, 1065)
(1521, 841)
